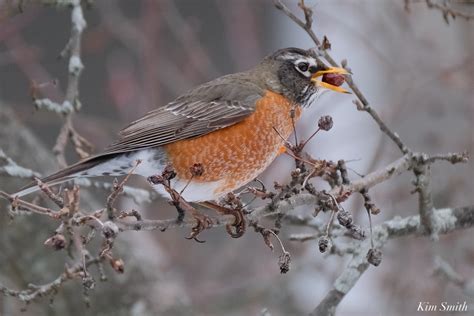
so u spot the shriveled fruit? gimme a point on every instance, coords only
(333, 79)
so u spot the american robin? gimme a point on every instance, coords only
(228, 126)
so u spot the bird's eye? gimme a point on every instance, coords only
(303, 66)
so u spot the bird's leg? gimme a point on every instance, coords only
(236, 229)
(202, 221)
(181, 212)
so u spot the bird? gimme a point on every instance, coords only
(233, 127)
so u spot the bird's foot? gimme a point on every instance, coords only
(237, 228)
(202, 222)
(182, 206)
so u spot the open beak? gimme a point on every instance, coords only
(330, 70)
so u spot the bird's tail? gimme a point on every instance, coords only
(91, 167)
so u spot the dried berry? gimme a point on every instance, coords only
(325, 123)
(168, 173)
(88, 282)
(197, 170)
(326, 44)
(357, 232)
(295, 173)
(284, 262)
(117, 265)
(57, 242)
(334, 79)
(374, 210)
(344, 218)
(324, 243)
(156, 179)
(374, 256)
(277, 186)
(110, 229)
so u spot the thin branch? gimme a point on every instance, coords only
(138, 195)
(59, 149)
(362, 100)
(21, 205)
(363, 105)
(283, 206)
(117, 190)
(10, 168)
(425, 199)
(148, 224)
(447, 11)
(74, 47)
(71, 102)
(304, 25)
(452, 219)
(58, 200)
(444, 270)
(48, 105)
(38, 291)
(453, 158)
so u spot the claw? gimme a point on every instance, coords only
(238, 227)
(180, 217)
(202, 222)
(195, 239)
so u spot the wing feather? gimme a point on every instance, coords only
(209, 107)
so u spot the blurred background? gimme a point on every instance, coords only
(416, 70)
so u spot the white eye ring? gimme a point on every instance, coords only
(303, 66)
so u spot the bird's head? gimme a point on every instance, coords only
(300, 75)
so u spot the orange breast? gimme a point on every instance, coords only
(238, 153)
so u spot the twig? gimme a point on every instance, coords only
(425, 199)
(444, 270)
(362, 102)
(283, 206)
(75, 67)
(59, 149)
(149, 225)
(304, 25)
(51, 106)
(12, 169)
(285, 258)
(138, 195)
(117, 190)
(27, 206)
(453, 158)
(48, 289)
(452, 219)
(363, 105)
(74, 47)
(58, 200)
(447, 11)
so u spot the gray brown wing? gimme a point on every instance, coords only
(217, 104)
(209, 107)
